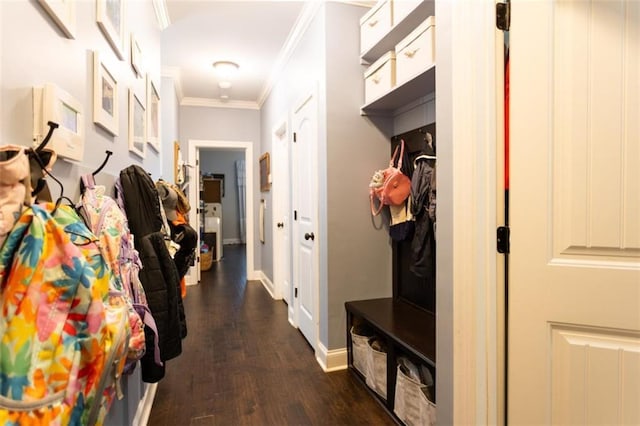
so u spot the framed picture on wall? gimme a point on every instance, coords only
(105, 96)
(153, 114)
(63, 14)
(110, 17)
(136, 56)
(265, 171)
(137, 125)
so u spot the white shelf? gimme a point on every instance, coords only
(398, 96)
(399, 31)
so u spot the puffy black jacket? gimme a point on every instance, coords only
(423, 246)
(160, 280)
(159, 275)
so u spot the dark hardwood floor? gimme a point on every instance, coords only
(244, 364)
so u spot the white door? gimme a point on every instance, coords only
(305, 206)
(574, 292)
(281, 213)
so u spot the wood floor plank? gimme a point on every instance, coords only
(243, 363)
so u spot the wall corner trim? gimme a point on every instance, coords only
(267, 284)
(331, 360)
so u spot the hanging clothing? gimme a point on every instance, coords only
(159, 275)
(423, 204)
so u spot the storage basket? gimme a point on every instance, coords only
(411, 404)
(360, 349)
(206, 260)
(377, 366)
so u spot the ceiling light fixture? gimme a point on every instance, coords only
(226, 68)
(224, 84)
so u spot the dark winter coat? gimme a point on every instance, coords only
(159, 275)
(423, 245)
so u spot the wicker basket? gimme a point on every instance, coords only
(206, 260)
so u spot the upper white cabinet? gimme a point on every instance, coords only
(397, 37)
(387, 23)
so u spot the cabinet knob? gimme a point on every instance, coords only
(309, 236)
(280, 225)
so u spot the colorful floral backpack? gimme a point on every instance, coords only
(109, 224)
(64, 334)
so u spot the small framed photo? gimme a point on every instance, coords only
(105, 96)
(153, 114)
(136, 56)
(110, 18)
(137, 125)
(63, 14)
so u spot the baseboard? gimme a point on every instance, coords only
(144, 406)
(227, 241)
(331, 360)
(267, 284)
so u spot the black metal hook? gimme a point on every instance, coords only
(104, 163)
(45, 141)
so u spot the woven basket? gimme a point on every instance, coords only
(206, 260)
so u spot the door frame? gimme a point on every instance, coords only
(194, 218)
(469, 298)
(281, 199)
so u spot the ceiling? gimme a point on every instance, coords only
(253, 34)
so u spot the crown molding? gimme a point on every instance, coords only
(362, 3)
(175, 75)
(162, 13)
(216, 103)
(307, 14)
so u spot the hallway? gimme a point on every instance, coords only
(243, 363)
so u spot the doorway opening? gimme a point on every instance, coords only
(194, 149)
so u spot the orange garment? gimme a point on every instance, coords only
(183, 287)
(180, 219)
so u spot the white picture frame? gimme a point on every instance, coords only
(136, 56)
(110, 16)
(137, 125)
(63, 13)
(153, 114)
(105, 96)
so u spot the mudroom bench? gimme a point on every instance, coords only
(391, 329)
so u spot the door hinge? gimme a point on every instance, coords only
(295, 137)
(295, 292)
(503, 16)
(295, 215)
(197, 162)
(503, 238)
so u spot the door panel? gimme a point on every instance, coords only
(305, 204)
(574, 284)
(282, 207)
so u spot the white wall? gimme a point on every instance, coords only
(303, 72)
(169, 126)
(226, 124)
(349, 145)
(33, 51)
(223, 162)
(359, 255)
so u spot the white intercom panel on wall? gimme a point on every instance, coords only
(51, 103)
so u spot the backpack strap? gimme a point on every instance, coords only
(374, 211)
